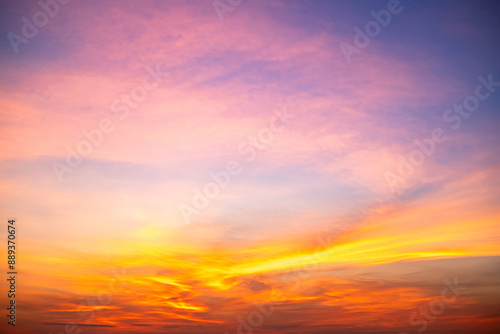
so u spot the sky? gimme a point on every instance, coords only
(241, 166)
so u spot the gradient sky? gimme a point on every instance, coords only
(309, 224)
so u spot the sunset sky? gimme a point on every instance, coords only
(244, 166)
